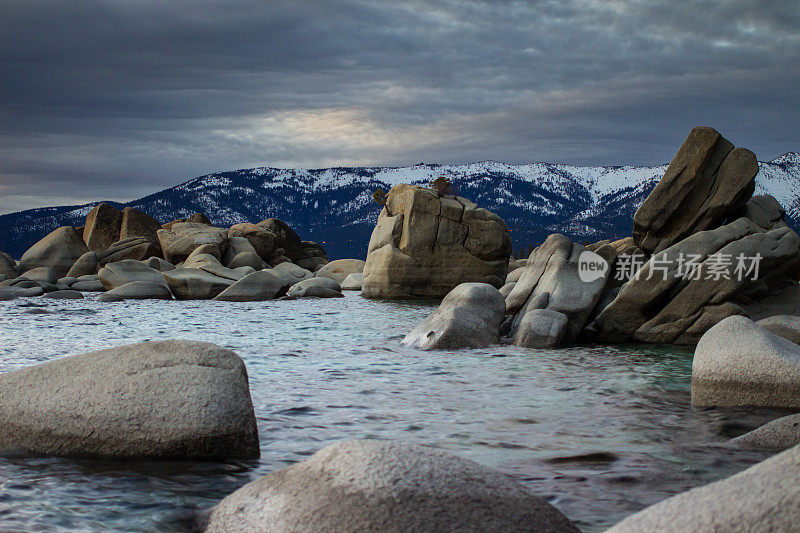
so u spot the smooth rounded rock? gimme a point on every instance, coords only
(739, 363)
(786, 326)
(195, 284)
(541, 328)
(468, 317)
(88, 286)
(353, 282)
(137, 290)
(64, 295)
(341, 268)
(779, 434)
(58, 250)
(291, 273)
(115, 275)
(181, 239)
(166, 399)
(368, 485)
(42, 274)
(255, 287)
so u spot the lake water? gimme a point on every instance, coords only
(599, 431)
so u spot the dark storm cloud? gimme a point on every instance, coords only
(114, 99)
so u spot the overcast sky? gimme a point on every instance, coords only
(120, 98)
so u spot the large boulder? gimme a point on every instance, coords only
(255, 287)
(779, 434)
(369, 485)
(285, 237)
(137, 290)
(312, 256)
(138, 224)
(706, 183)
(291, 273)
(674, 301)
(8, 267)
(353, 282)
(85, 265)
(765, 497)
(737, 362)
(552, 280)
(425, 245)
(195, 283)
(117, 274)
(785, 326)
(165, 399)
(58, 250)
(137, 248)
(341, 268)
(261, 239)
(41, 274)
(468, 317)
(237, 246)
(180, 240)
(102, 227)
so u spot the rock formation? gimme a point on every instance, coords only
(424, 245)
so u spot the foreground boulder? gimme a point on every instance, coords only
(779, 434)
(468, 317)
(341, 268)
(552, 280)
(738, 362)
(102, 227)
(165, 399)
(180, 240)
(366, 485)
(706, 183)
(765, 497)
(58, 250)
(425, 245)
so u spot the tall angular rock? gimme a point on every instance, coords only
(706, 183)
(138, 224)
(285, 237)
(102, 227)
(424, 245)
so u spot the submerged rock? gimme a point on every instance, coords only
(315, 288)
(738, 362)
(66, 294)
(468, 317)
(779, 434)
(425, 245)
(765, 497)
(165, 399)
(367, 485)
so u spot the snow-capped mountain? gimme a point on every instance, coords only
(334, 206)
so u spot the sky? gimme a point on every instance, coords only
(113, 100)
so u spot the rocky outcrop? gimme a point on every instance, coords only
(341, 268)
(366, 485)
(312, 256)
(182, 238)
(58, 250)
(255, 287)
(779, 434)
(166, 399)
(765, 497)
(102, 227)
(8, 267)
(705, 184)
(670, 300)
(552, 280)
(468, 317)
(138, 224)
(738, 362)
(137, 290)
(425, 245)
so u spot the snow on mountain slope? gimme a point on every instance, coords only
(334, 205)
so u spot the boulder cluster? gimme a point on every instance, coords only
(130, 255)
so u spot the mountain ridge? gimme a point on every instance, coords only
(334, 205)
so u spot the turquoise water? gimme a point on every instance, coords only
(599, 431)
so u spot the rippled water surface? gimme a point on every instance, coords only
(599, 431)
